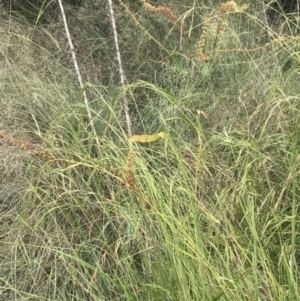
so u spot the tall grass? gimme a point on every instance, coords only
(210, 212)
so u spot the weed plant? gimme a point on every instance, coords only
(210, 212)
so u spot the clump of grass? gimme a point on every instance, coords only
(208, 213)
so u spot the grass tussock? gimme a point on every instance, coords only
(210, 212)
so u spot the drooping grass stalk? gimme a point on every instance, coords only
(222, 187)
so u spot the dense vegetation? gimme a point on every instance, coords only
(208, 212)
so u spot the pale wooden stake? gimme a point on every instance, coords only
(120, 67)
(86, 102)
